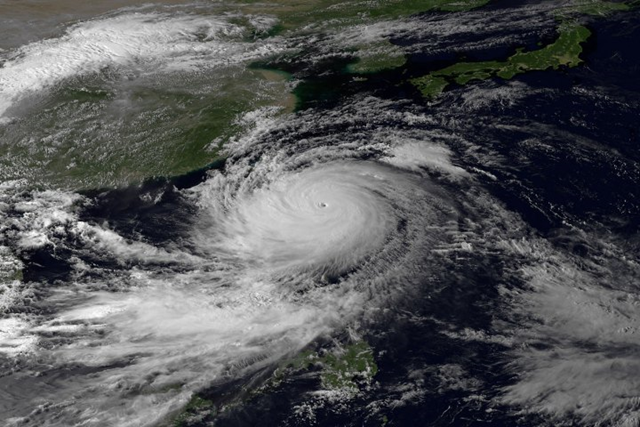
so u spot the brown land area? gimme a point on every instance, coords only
(25, 21)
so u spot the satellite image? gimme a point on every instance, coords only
(285, 213)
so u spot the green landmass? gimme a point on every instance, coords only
(10, 275)
(430, 85)
(343, 369)
(563, 52)
(10, 268)
(298, 14)
(599, 8)
(105, 137)
(377, 57)
(99, 135)
(340, 369)
(196, 410)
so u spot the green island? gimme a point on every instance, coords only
(340, 369)
(196, 410)
(10, 269)
(343, 369)
(564, 51)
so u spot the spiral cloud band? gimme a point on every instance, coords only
(327, 218)
(466, 242)
(282, 249)
(306, 233)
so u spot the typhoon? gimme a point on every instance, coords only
(319, 213)
(283, 247)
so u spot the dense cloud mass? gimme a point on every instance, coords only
(351, 218)
(285, 246)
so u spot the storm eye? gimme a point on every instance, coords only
(322, 205)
